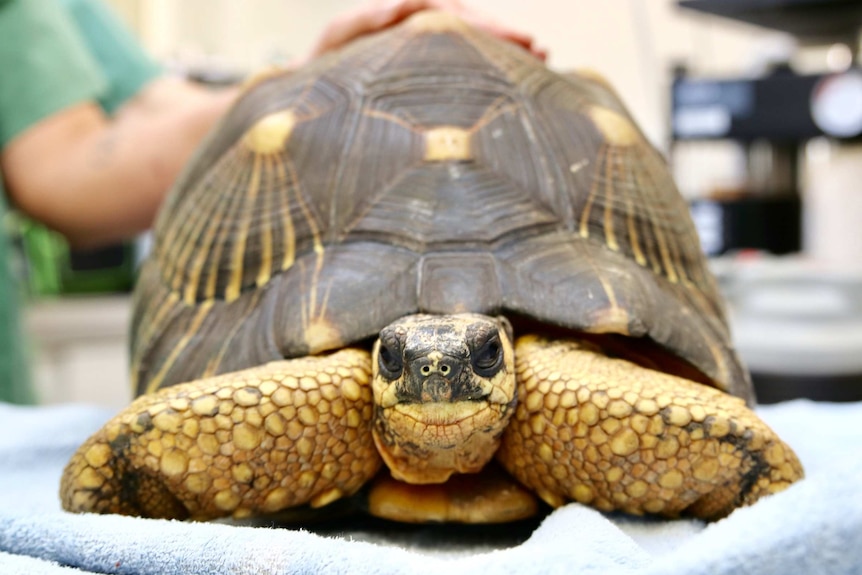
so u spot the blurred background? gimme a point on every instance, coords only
(756, 104)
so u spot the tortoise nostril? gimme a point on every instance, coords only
(425, 367)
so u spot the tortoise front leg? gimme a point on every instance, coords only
(615, 435)
(254, 441)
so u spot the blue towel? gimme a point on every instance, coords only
(813, 527)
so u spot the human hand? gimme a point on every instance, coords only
(381, 14)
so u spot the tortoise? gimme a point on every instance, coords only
(428, 270)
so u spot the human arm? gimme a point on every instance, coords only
(91, 132)
(98, 179)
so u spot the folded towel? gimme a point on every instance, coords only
(813, 527)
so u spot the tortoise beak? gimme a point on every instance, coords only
(436, 388)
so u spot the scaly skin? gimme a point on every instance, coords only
(614, 435)
(256, 441)
(588, 428)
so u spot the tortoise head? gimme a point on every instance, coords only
(444, 390)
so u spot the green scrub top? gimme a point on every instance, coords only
(53, 54)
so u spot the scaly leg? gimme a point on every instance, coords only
(255, 441)
(614, 435)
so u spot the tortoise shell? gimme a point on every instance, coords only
(431, 168)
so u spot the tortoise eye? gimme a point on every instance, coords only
(389, 360)
(488, 357)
